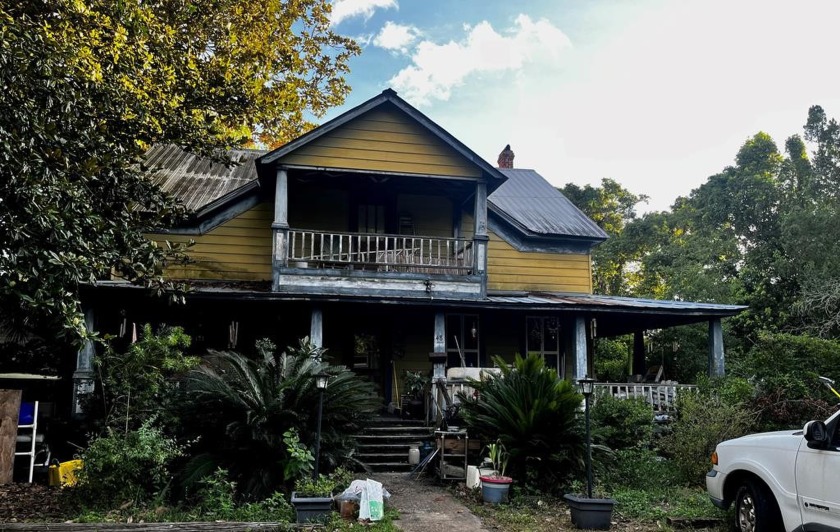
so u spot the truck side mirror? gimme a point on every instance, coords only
(816, 434)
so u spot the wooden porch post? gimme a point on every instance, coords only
(716, 356)
(280, 226)
(639, 353)
(83, 376)
(580, 350)
(480, 237)
(316, 327)
(438, 359)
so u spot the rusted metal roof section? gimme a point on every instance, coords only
(197, 181)
(611, 303)
(530, 203)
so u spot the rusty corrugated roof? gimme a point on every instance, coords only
(197, 181)
(595, 301)
(526, 199)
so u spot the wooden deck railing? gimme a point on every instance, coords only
(380, 252)
(661, 396)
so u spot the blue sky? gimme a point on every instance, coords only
(655, 94)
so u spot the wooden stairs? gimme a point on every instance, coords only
(384, 445)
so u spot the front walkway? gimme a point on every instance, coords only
(426, 507)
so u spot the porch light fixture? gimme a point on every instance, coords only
(587, 386)
(474, 331)
(321, 380)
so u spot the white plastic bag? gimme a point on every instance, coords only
(375, 500)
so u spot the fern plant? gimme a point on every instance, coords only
(532, 413)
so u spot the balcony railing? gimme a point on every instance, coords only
(662, 397)
(380, 252)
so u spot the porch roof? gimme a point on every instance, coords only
(614, 315)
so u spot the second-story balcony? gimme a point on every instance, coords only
(375, 264)
(380, 253)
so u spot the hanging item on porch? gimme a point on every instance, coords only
(123, 328)
(133, 333)
(233, 334)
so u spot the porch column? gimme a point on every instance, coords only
(480, 237)
(438, 359)
(639, 353)
(716, 358)
(280, 226)
(83, 376)
(579, 343)
(316, 328)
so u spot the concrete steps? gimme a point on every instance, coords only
(384, 445)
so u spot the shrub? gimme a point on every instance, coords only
(637, 468)
(612, 357)
(703, 421)
(132, 466)
(217, 501)
(533, 412)
(622, 423)
(141, 382)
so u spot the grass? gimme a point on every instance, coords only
(637, 510)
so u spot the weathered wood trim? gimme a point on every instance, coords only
(580, 351)
(316, 327)
(716, 354)
(217, 218)
(9, 411)
(322, 282)
(137, 527)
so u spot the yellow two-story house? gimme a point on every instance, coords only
(390, 243)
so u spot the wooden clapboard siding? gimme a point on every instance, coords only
(239, 249)
(383, 139)
(431, 215)
(510, 269)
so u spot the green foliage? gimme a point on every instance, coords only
(612, 357)
(89, 86)
(621, 423)
(217, 501)
(141, 383)
(785, 368)
(532, 412)
(659, 504)
(499, 456)
(703, 421)
(256, 403)
(636, 468)
(133, 466)
(299, 459)
(415, 383)
(324, 485)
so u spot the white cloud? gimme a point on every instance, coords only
(438, 68)
(396, 37)
(344, 9)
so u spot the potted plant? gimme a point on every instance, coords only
(415, 389)
(590, 513)
(312, 499)
(495, 487)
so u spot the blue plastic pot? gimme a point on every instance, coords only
(495, 490)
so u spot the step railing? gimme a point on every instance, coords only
(380, 252)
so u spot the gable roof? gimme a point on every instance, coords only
(389, 96)
(531, 204)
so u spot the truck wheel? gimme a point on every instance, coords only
(755, 509)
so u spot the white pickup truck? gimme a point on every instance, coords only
(786, 480)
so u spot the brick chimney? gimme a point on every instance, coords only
(506, 158)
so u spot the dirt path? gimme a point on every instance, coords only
(426, 507)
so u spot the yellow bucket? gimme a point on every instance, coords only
(64, 473)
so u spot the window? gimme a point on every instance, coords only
(462, 337)
(542, 337)
(371, 218)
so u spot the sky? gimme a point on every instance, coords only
(655, 94)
